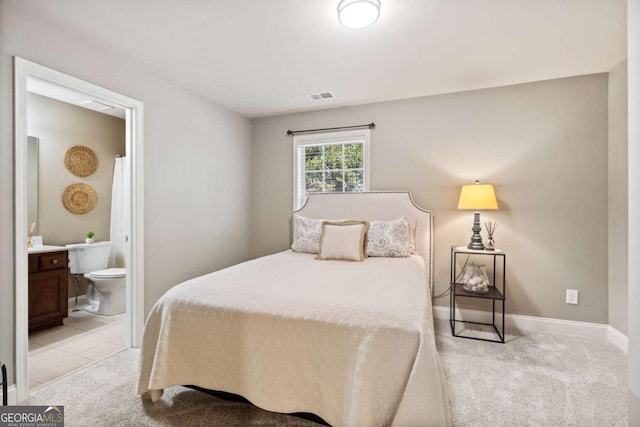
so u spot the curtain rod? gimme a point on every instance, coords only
(370, 126)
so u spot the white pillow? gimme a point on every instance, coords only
(413, 226)
(343, 241)
(306, 234)
(389, 238)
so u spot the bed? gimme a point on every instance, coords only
(351, 342)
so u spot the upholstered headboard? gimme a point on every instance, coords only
(377, 205)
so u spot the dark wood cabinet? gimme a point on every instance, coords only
(48, 289)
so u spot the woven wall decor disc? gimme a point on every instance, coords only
(81, 160)
(79, 198)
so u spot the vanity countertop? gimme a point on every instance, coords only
(46, 248)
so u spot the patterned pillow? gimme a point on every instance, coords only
(306, 234)
(389, 238)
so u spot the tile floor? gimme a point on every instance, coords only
(83, 339)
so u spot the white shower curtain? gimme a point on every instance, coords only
(117, 237)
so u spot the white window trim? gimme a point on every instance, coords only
(325, 139)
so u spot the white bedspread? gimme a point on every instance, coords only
(350, 342)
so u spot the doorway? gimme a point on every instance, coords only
(24, 73)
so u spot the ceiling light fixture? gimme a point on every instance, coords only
(358, 13)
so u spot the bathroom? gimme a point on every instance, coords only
(75, 157)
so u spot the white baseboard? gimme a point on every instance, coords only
(541, 324)
(618, 339)
(11, 392)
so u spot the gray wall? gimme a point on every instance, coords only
(196, 163)
(633, 46)
(618, 128)
(544, 147)
(60, 126)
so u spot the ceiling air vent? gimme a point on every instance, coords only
(321, 96)
(95, 105)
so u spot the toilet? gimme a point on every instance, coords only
(106, 290)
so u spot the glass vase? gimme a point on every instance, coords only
(491, 244)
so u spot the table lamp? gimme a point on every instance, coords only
(477, 197)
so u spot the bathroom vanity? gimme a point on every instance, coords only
(48, 286)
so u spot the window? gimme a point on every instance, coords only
(330, 162)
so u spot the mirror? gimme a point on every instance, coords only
(32, 182)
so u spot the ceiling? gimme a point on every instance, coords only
(262, 57)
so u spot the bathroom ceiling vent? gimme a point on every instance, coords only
(321, 96)
(95, 105)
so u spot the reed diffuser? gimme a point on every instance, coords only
(491, 228)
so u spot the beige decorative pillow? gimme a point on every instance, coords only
(413, 226)
(343, 241)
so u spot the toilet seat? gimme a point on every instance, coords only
(109, 273)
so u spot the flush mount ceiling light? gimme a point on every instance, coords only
(358, 13)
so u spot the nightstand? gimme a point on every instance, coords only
(497, 276)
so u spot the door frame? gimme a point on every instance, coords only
(134, 219)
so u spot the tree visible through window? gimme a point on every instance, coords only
(334, 168)
(330, 163)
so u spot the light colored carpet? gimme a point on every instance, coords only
(536, 379)
(105, 395)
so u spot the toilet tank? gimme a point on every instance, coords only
(88, 257)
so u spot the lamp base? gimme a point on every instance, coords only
(476, 247)
(476, 243)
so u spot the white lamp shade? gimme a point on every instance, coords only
(358, 13)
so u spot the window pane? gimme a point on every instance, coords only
(333, 181)
(313, 182)
(333, 157)
(313, 158)
(354, 180)
(353, 156)
(331, 162)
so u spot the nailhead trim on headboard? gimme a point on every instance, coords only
(370, 193)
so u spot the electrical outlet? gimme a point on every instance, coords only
(572, 296)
